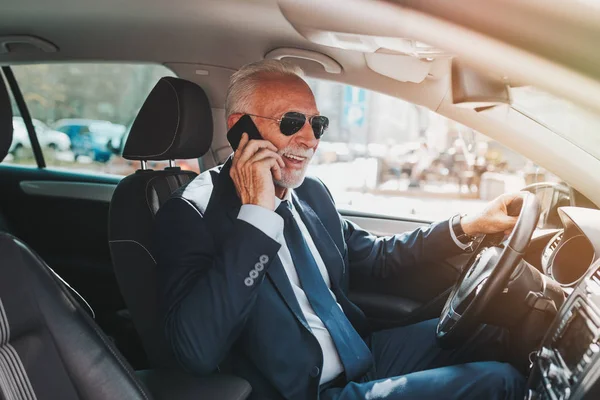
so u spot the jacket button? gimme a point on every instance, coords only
(314, 372)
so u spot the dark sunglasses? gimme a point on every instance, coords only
(291, 122)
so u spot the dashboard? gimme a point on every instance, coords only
(567, 364)
(572, 250)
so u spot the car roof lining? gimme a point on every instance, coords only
(181, 33)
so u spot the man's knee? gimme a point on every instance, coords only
(502, 381)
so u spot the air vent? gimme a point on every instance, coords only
(596, 277)
(555, 241)
(592, 285)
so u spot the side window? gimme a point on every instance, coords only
(82, 114)
(382, 155)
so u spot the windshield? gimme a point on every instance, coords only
(579, 126)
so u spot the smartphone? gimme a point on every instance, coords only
(244, 124)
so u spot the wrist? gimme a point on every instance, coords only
(269, 204)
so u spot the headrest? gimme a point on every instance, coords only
(175, 122)
(6, 127)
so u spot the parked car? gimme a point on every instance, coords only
(89, 137)
(48, 138)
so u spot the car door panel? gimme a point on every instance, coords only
(63, 216)
(421, 293)
(383, 225)
(417, 295)
(69, 190)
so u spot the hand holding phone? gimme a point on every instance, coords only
(255, 164)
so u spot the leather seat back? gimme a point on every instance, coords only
(175, 122)
(49, 347)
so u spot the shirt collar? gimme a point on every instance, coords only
(288, 197)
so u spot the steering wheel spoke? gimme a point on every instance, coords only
(448, 320)
(477, 274)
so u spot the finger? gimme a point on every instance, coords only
(270, 164)
(238, 152)
(252, 147)
(276, 171)
(513, 201)
(507, 223)
(262, 154)
(508, 197)
(243, 141)
(508, 219)
(262, 144)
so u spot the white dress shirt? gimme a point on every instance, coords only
(271, 224)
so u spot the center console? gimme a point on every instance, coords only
(567, 365)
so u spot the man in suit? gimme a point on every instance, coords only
(254, 265)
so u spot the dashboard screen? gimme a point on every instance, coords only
(575, 340)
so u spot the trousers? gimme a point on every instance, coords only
(408, 364)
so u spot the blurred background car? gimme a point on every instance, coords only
(48, 138)
(89, 137)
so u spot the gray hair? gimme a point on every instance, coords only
(243, 82)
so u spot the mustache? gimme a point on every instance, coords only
(297, 151)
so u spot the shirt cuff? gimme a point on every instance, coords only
(269, 222)
(460, 244)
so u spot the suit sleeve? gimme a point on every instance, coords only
(390, 256)
(206, 289)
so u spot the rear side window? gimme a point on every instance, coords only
(82, 114)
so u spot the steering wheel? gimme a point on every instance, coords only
(486, 275)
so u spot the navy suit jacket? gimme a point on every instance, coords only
(205, 255)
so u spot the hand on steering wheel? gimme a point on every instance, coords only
(485, 275)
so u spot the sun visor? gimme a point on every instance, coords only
(406, 68)
(473, 89)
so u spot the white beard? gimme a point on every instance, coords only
(291, 179)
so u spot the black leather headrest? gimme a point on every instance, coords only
(175, 122)
(6, 127)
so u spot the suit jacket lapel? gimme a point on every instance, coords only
(325, 245)
(280, 280)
